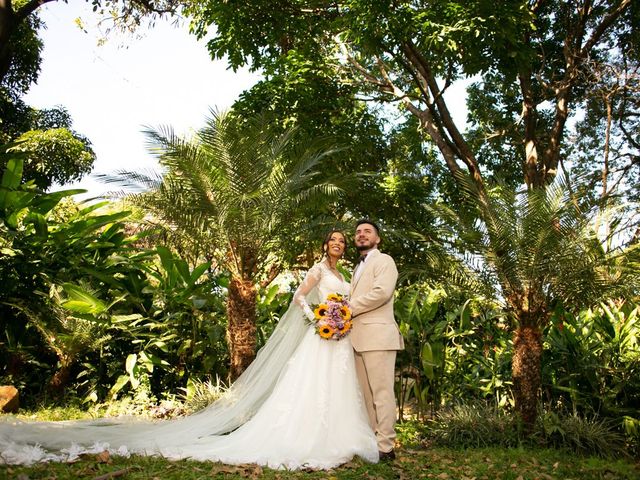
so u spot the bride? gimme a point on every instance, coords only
(298, 405)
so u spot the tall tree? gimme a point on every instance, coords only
(240, 190)
(54, 152)
(530, 54)
(607, 147)
(543, 245)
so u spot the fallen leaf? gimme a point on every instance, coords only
(103, 457)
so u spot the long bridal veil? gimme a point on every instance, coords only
(29, 442)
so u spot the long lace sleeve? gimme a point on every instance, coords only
(311, 279)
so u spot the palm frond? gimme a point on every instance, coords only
(235, 184)
(536, 244)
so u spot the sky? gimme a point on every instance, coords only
(113, 91)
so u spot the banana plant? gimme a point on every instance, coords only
(592, 360)
(422, 362)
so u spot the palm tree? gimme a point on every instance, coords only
(237, 189)
(537, 249)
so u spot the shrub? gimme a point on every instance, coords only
(482, 425)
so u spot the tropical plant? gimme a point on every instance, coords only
(240, 191)
(538, 250)
(477, 424)
(165, 322)
(591, 363)
(454, 348)
(39, 254)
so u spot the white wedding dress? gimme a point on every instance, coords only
(297, 406)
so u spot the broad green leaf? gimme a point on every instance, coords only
(166, 258)
(45, 203)
(130, 363)
(426, 355)
(120, 383)
(183, 270)
(12, 176)
(39, 223)
(82, 300)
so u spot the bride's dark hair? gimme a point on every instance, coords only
(328, 237)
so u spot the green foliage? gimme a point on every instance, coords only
(176, 330)
(55, 152)
(82, 305)
(473, 425)
(536, 65)
(239, 187)
(539, 248)
(199, 394)
(452, 350)
(583, 435)
(272, 303)
(21, 58)
(591, 363)
(54, 156)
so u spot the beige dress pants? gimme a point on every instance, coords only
(376, 374)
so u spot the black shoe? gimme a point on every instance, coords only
(387, 456)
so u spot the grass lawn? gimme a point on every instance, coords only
(411, 463)
(414, 461)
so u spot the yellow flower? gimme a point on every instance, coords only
(346, 328)
(345, 312)
(325, 331)
(334, 297)
(321, 310)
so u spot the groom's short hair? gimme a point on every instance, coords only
(373, 224)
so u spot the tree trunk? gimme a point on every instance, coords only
(527, 344)
(8, 24)
(241, 332)
(60, 379)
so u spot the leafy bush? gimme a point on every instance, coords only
(200, 394)
(81, 306)
(587, 436)
(591, 361)
(454, 349)
(474, 425)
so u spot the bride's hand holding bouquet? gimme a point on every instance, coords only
(332, 318)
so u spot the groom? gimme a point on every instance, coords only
(375, 335)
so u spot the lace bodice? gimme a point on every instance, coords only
(324, 281)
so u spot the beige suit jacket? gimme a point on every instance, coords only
(374, 325)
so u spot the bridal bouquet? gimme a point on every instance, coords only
(332, 318)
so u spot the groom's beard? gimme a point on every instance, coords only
(366, 246)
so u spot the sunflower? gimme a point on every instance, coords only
(346, 326)
(345, 312)
(334, 297)
(321, 310)
(325, 331)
